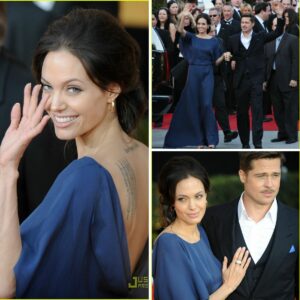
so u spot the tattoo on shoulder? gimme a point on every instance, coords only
(130, 184)
(131, 147)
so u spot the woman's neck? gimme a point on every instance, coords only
(100, 140)
(189, 232)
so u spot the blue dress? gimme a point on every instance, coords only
(74, 244)
(183, 270)
(193, 121)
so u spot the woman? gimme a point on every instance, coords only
(184, 266)
(164, 22)
(86, 238)
(291, 21)
(193, 123)
(174, 10)
(246, 9)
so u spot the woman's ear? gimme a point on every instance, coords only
(114, 90)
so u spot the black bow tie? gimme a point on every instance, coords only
(228, 22)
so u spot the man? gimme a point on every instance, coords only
(262, 14)
(229, 26)
(236, 6)
(267, 227)
(287, 3)
(219, 87)
(247, 49)
(282, 57)
(219, 4)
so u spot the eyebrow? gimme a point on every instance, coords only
(68, 81)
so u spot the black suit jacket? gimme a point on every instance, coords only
(227, 31)
(258, 27)
(253, 62)
(236, 15)
(286, 59)
(279, 280)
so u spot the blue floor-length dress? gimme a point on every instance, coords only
(183, 270)
(193, 122)
(74, 244)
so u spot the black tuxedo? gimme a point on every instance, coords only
(227, 29)
(258, 27)
(284, 97)
(248, 78)
(279, 277)
(236, 15)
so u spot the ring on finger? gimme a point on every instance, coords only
(238, 262)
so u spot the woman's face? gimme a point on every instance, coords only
(174, 9)
(190, 201)
(286, 19)
(202, 26)
(154, 21)
(246, 10)
(186, 21)
(162, 16)
(76, 105)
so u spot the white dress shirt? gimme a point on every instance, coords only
(246, 40)
(257, 235)
(218, 27)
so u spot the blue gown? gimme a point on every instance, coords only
(74, 244)
(183, 270)
(193, 121)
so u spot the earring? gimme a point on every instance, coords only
(112, 106)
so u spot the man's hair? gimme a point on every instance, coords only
(251, 17)
(246, 158)
(260, 6)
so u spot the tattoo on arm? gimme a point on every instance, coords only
(130, 184)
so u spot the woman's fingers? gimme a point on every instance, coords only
(33, 100)
(244, 259)
(225, 264)
(39, 111)
(236, 254)
(27, 95)
(15, 116)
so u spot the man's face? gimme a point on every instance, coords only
(227, 12)
(214, 17)
(266, 13)
(262, 182)
(286, 4)
(236, 3)
(246, 24)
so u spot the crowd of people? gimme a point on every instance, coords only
(257, 42)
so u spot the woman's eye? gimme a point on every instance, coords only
(46, 87)
(74, 90)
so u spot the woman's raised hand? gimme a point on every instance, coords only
(234, 274)
(24, 126)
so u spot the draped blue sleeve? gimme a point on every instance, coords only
(185, 44)
(182, 270)
(217, 50)
(74, 244)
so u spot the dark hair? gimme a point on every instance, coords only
(168, 21)
(251, 17)
(107, 52)
(207, 18)
(2, 22)
(260, 6)
(170, 3)
(175, 170)
(246, 158)
(293, 18)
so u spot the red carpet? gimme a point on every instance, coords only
(268, 126)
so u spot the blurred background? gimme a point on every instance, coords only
(222, 168)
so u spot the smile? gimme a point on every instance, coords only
(63, 121)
